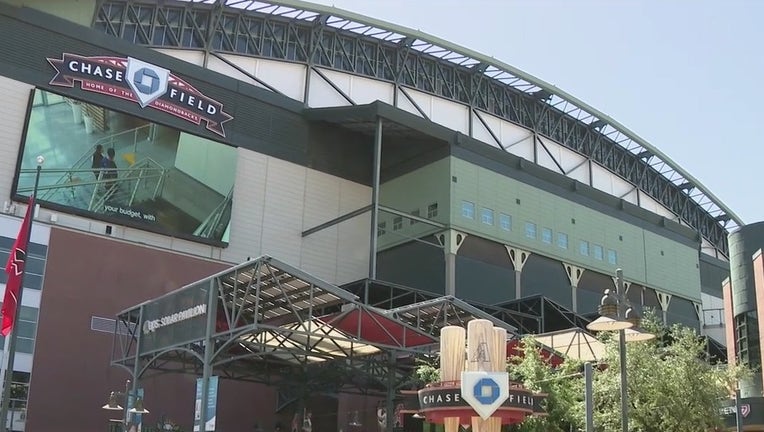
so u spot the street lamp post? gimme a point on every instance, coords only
(738, 416)
(616, 315)
(113, 404)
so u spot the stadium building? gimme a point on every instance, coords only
(182, 138)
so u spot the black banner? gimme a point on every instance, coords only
(451, 397)
(751, 413)
(137, 81)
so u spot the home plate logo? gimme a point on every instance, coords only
(485, 391)
(745, 410)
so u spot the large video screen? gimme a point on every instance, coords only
(127, 170)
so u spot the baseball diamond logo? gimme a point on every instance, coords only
(745, 409)
(138, 81)
(485, 391)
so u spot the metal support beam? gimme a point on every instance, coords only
(411, 217)
(335, 221)
(375, 199)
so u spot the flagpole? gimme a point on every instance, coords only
(10, 347)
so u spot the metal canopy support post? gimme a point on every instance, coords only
(391, 390)
(126, 409)
(375, 199)
(209, 350)
(133, 391)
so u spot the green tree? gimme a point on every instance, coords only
(563, 385)
(671, 384)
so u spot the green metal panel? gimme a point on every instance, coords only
(672, 267)
(637, 249)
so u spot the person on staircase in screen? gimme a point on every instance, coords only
(97, 160)
(109, 170)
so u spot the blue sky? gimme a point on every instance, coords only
(685, 75)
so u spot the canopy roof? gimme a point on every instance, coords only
(573, 343)
(266, 317)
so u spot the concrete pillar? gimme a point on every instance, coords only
(574, 276)
(518, 257)
(664, 300)
(451, 240)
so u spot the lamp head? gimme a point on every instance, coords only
(636, 335)
(608, 320)
(40, 160)
(112, 404)
(608, 305)
(138, 407)
(354, 420)
(633, 317)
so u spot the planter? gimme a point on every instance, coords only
(88, 124)
(77, 113)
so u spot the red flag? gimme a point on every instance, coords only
(15, 270)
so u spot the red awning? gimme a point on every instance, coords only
(514, 350)
(375, 328)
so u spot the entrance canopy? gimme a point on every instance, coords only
(264, 319)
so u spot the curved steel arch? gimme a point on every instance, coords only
(324, 36)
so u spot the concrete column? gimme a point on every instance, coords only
(376, 169)
(518, 258)
(451, 240)
(729, 322)
(701, 318)
(626, 286)
(664, 300)
(574, 276)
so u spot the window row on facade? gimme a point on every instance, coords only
(487, 216)
(34, 267)
(27, 330)
(398, 221)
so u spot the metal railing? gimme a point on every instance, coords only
(144, 180)
(120, 141)
(212, 224)
(126, 187)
